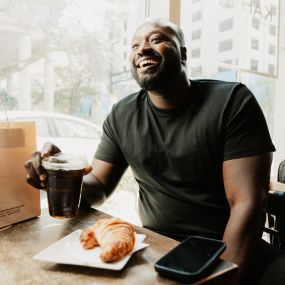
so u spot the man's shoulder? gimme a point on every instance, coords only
(214, 83)
(221, 90)
(130, 101)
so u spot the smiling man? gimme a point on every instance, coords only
(152, 67)
(200, 151)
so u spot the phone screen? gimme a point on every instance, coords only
(193, 254)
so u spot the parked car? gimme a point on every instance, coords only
(71, 134)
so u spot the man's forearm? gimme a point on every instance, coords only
(242, 235)
(94, 193)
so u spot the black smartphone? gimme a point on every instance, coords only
(190, 260)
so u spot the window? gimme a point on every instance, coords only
(196, 35)
(226, 25)
(196, 16)
(195, 53)
(225, 45)
(229, 61)
(197, 70)
(254, 65)
(125, 24)
(254, 44)
(273, 10)
(225, 69)
(272, 30)
(43, 127)
(271, 49)
(255, 23)
(271, 69)
(72, 129)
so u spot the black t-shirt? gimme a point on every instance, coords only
(176, 155)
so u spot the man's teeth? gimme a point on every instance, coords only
(146, 62)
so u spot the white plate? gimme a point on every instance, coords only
(68, 250)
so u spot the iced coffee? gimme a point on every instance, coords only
(64, 183)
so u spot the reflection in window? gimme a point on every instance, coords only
(225, 45)
(272, 30)
(222, 69)
(254, 44)
(229, 61)
(195, 71)
(43, 128)
(226, 25)
(254, 65)
(255, 23)
(196, 16)
(271, 69)
(195, 53)
(273, 10)
(72, 129)
(225, 69)
(241, 42)
(271, 49)
(196, 35)
(263, 89)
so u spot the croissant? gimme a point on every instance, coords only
(116, 238)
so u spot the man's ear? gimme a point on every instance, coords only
(183, 51)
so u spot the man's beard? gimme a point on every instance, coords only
(155, 80)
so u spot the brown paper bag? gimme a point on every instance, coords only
(18, 200)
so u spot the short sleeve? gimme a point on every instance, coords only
(108, 149)
(246, 131)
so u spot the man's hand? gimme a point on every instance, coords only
(36, 174)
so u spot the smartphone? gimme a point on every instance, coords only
(190, 260)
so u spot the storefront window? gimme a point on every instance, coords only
(239, 43)
(67, 56)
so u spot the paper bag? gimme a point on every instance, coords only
(18, 200)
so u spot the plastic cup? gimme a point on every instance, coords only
(64, 183)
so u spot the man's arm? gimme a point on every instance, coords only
(100, 183)
(246, 182)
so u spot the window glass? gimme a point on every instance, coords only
(236, 28)
(254, 44)
(44, 127)
(271, 49)
(263, 87)
(225, 45)
(246, 40)
(226, 25)
(195, 53)
(196, 35)
(272, 30)
(255, 23)
(273, 10)
(271, 68)
(196, 16)
(73, 129)
(254, 65)
(76, 53)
